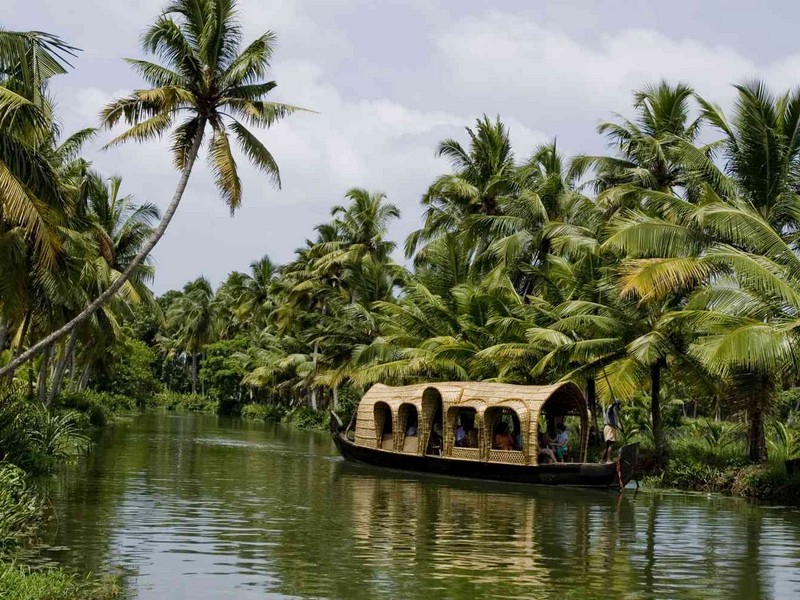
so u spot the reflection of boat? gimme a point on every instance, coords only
(453, 429)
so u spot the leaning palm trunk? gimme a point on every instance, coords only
(61, 366)
(9, 371)
(84, 380)
(120, 281)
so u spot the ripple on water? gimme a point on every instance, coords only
(201, 507)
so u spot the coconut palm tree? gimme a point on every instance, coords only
(213, 85)
(193, 318)
(32, 199)
(735, 250)
(483, 175)
(541, 230)
(648, 152)
(117, 227)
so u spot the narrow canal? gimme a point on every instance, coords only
(207, 507)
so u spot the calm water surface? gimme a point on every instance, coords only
(206, 507)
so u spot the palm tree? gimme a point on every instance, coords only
(483, 176)
(256, 301)
(193, 318)
(32, 199)
(541, 229)
(735, 249)
(117, 227)
(211, 84)
(648, 148)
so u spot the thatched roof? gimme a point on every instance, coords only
(527, 401)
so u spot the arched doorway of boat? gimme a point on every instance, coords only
(565, 412)
(384, 429)
(408, 428)
(432, 415)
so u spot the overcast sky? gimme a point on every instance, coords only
(390, 79)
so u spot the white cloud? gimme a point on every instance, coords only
(513, 61)
(377, 144)
(384, 103)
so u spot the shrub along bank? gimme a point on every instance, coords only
(35, 440)
(711, 456)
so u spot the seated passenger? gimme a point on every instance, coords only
(546, 455)
(461, 436)
(472, 437)
(435, 441)
(411, 430)
(561, 444)
(502, 438)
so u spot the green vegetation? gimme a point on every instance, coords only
(664, 273)
(188, 402)
(21, 583)
(74, 247)
(651, 271)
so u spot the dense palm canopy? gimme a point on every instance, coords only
(664, 265)
(205, 81)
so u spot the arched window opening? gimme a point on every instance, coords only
(433, 421)
(408, 428)
(506, 430)
(463, 425)
(383, 426)
(562, 429)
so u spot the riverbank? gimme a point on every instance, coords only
(704, 456)
(206, 506)
(35, 441)
(695, 463)
(302, 417)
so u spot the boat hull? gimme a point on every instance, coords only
(590, 475)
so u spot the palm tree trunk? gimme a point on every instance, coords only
(591, 400)
(655, 410)
(44, 369)
(3, 334)
(756, 432)
(84, 380)
(73, 368)
(314, 398)
(158, 233)
(26, 322)
(61, 366)
(194, 372)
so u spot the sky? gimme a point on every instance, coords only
(389, 79)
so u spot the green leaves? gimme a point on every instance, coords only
(223, 166)
(205, 78)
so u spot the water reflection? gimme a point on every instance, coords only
(203, 507)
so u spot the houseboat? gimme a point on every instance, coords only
(480, 430)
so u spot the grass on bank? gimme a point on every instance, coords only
(34, 440)
(22, 583)
(711, 456)
(301, 417)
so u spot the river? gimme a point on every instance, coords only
(197, 506)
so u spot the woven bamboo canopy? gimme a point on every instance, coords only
(385, 412)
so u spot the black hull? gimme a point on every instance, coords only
(589, 475)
